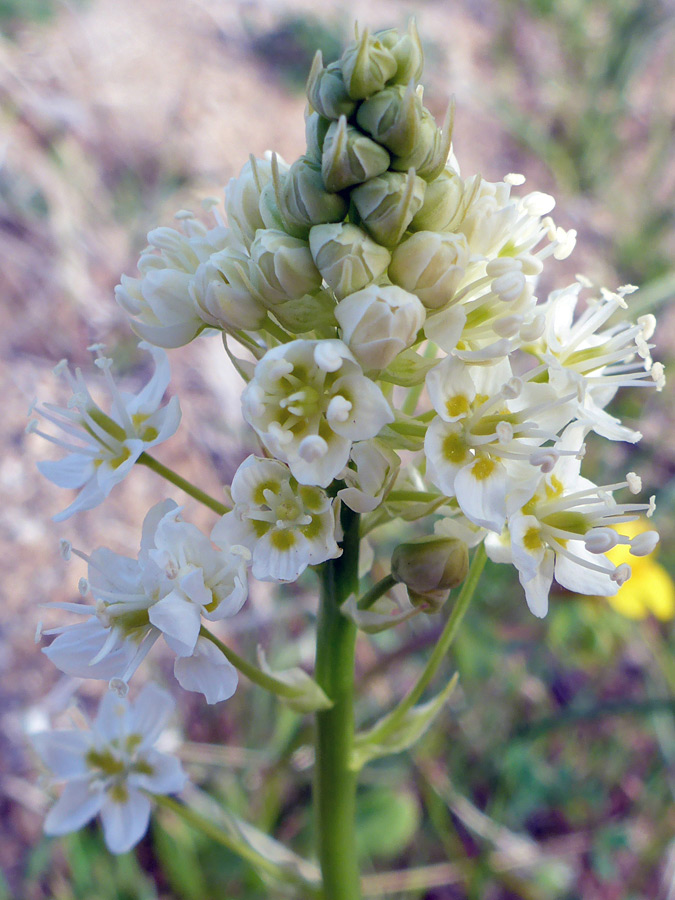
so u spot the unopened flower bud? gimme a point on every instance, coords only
(392, 117)
(430, 153)
(430, 265)
(242, 198)
(349, 157)
(316, 127)
(304, 201)
(378, 323)
(443, 205)
(347, 258)
(388, 203)
(430, 567)
(221, 293)
(326, 90)
(269, 209)
(406, 50)
(367, 66)
(283, 268)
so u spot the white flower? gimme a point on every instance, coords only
(110, 769)
(287, 526)
(479, 447)
(308, 401)
(565, 529)
(375, 472)
(597, 362)
(109, 443)
(160, 301)
(178, 579)
(379, 322)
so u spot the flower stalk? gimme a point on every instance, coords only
(335, 783)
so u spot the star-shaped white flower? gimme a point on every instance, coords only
(309, 401)
(104, 446)
(110, 769)
(178, 579)
(287, 526)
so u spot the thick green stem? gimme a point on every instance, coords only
(146, 460)
(335, 783)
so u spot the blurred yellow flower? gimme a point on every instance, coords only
(650, 589)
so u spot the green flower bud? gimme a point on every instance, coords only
(303, 200)
(282, 267)
(367, 66)
(388, 203)
(269, 210)
(346, 257)
(430, 265)
(406, 50)
(220, 290)
(443, 205)
(316, 127)
(430, 567)
(326, 90)
(393, 117)
(430, 153)
(349, 157)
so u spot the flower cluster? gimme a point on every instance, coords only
(388, 304)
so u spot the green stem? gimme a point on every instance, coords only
(258, 861)
(413, 395)
(335, 783)
(377, 590)
(146, 460)
(253, 673)
(394, 719)
(412, 497)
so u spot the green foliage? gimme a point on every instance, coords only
(386, 822)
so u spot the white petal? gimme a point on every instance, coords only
(272, 564)
(89, 497)
(150, 712)
(323, 470)
(70, 472)
(370, 411)
(152, 520)
(577, 578)
(483, 499)
(149, 398)
(74, 808)
(207, 672)
(167, 776)
(124, 824)
(72, 651)
(113, 718)
(537, 588)
(63, 752)
(179, 620)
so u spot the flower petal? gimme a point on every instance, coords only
(207, 672)
(125, 823)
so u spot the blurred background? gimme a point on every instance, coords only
(552, 774)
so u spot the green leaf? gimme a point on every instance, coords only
(393, 734)
(307, 697)
(408, 369)
(313, 312)
(386, 822)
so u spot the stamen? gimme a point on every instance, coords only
(621, 574)
(312, 447)
(645, 543)
(634, 483)
(65, 549)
